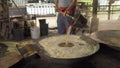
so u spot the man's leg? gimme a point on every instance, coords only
(60, 24)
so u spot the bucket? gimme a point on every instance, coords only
(35, 32)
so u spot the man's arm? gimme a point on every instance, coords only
(73, 4)
(70, 7)
(56, 5)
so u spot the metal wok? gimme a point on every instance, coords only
(108, 37)
(46, 56)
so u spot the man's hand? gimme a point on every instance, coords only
(56, 9)
(64, 14)
(56, 5)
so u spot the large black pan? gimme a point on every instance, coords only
(109, 37)
(46, 57)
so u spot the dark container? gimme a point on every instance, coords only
(27, 32)
(43, 27)
(18, 34)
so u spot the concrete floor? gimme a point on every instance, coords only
(109, 25)
(11, 55)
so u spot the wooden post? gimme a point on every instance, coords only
(94, 20)
(4, 20)
(109, 8)
(95, 5)
(109, 11)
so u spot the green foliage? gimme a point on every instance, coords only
(115, 7)
(89, 2)
(85, 1)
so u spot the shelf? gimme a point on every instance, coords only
(1, 20)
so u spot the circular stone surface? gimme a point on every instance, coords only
(80, 48)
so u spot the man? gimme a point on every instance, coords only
(63, 21)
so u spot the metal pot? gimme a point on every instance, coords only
(109, 37)
(46, 57)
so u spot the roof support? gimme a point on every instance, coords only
(95, 5)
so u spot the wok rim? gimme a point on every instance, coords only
(68, 60)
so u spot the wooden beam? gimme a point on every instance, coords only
(95, 5)
(109, 11)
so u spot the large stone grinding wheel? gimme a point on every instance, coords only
(78, 47)
(109, 37)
